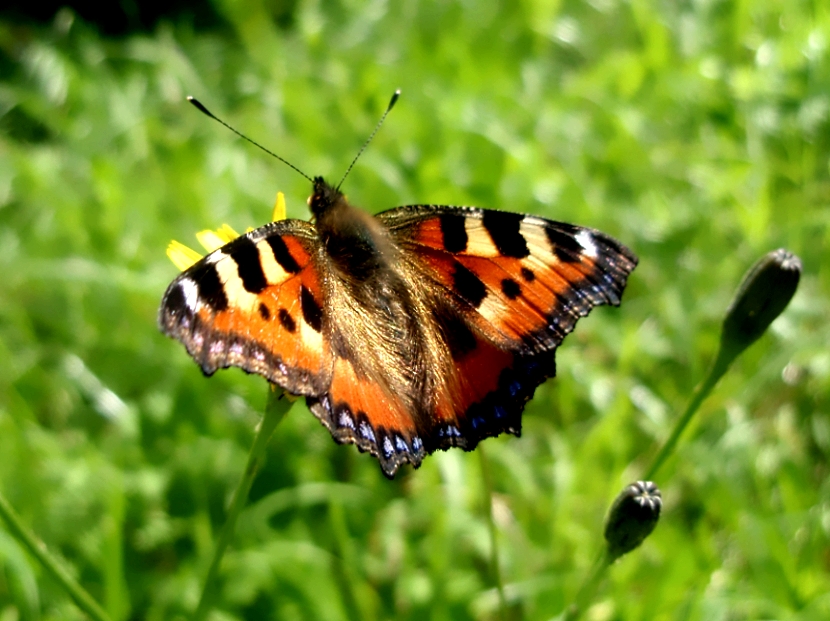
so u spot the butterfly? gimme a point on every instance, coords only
(421, 328)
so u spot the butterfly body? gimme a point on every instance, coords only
(418, 329)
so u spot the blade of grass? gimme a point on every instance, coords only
(38, 549)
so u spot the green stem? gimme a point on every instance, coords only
(343, 562)
(491, 523)
(589, 587)
(275, 410)
(701, 392)
(38, 549)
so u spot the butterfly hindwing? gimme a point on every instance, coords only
(359, 411)
(256, 303)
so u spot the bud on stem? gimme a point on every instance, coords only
(633, 516)
(763, 294)
(766, 290)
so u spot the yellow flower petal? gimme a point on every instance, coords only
(182, 256)
(279, 208)
(210, 240)
(213, 240)
(227, 233)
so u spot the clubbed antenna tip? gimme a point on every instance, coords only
(200, 107)
(392, 101)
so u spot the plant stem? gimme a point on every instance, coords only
(38, 549)
(701, 392)
(589, 587)
(275, 410)
(491, 523)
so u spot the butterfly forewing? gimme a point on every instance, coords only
(524, 280)
(255, 303)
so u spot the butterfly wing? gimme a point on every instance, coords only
(514, 287)
(356, 409)
(256, 303)
(523, 280)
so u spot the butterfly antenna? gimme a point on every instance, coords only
(392, 101)
(207, 112)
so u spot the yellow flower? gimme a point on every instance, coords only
(183, 256)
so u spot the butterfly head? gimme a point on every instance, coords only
(324, 199)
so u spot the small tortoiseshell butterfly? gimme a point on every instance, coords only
(421, 328)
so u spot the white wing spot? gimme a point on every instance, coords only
(586, 240)
(366, 431)
(346, 420)
(387, 447)
(479, 241)
(235, 291)
(191, 294)
(533, 230)
(274, 273)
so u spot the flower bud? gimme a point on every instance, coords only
(633, 516)
(764, 293)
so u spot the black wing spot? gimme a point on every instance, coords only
(511, 288)
(264, 312)
(468, 285)
(454, 232)
(457, 334)
(503, 228)
(174, 301)
(312, 312)
(528, 274)
(244, 252)
(211, 289)
(287, 321)
(282, 254)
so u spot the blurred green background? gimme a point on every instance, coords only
(697, 132)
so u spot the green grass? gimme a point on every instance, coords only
(696, 133)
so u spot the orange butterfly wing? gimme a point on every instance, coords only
(518, 284)
(256, 303)
(521, 279)
(359, 411)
